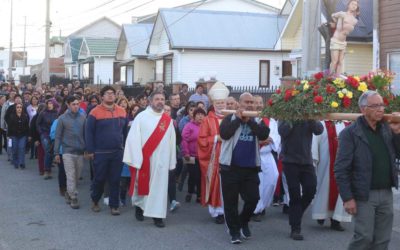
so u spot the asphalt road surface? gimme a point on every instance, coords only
(34, 216)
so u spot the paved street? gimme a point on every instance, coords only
(34, 216)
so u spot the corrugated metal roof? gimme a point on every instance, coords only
(364, 28)
(202, 29)
(102, 46)
(137, 36)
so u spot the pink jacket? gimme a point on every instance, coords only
(190, 134)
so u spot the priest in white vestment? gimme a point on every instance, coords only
(162, 160)
(269, 172)
(321, 152)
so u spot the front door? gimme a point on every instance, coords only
(286, 68)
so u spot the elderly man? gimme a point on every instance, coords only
(365, 172)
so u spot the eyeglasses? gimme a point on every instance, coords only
(109, 93)
(376, 106)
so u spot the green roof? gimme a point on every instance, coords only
(75, 44)
(102, 46)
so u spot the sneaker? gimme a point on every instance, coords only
(106, 201)
(74, 203)
(47, 175)
(236, 239)
(67, 198)
(275, 204)
(139, 214)
(245, 232)
(159, 222)
(115, 211)
(296, 235)
(256, 217)
(174, 206)
(220, 219)
(95, 207)
(188, 198)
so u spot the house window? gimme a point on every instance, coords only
(167, 71)
(159, 70)
(394, 66)
(264, 73)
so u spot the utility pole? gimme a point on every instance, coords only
(11, 51)
(46, 77)
(24, 57)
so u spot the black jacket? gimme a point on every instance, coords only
(296, 140)
(33, 131)
(17, 126)
(353, 165)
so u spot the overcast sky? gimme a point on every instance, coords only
(69, 15)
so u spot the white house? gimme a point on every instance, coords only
(234, 47)
(101, 28)
(132, 55)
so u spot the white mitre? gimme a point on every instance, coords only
(218, 91)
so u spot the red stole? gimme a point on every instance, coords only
(266, 121)
(333, 146)
(147, 151)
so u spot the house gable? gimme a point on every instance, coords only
(103, 27)
(249, 6)
(159, 40)
(67, 53)
(84, 50)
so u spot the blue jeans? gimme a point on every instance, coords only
(48, 155)
(18, 151)
(107, 167)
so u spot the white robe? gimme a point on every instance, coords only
(162, 160)
(269, 172)
(321, 158)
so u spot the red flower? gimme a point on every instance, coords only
(330, 89)
(315, 92)
(288, 95)
(298, 82)
(316, 87)
(386, 101)
(353, 82)
(278, 91)
(270, 102)
(346, 102)
(312, 83)
(318, 76)
(318, 99)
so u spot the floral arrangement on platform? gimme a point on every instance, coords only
(323, 93)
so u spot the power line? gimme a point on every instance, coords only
(88, 10)
(134, 8)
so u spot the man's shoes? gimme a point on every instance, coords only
(285, 209)
(256, 217)
(220, 219)
(321, 222)
(139, 214)
(188, 198)
(158, 222)
(245, 232)
(115, 211)
(296, 235)
(67, 198)
(236, 239)
(74, 203)
(22, 166)
(95, 207)
(174, 206)
(335, 225)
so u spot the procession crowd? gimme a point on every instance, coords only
(144, 148)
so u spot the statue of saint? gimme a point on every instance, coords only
(345, 23)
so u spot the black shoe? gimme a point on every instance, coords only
(188, 198)
(236, 239)
(335, 225)
(220, 219)
(139, 214)
(320, 222)
(296, 235)
(245, 232)
(256, 217)
(158, 222)
(22, 166)
(285, 209)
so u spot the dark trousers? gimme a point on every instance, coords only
(299, 178)
(124, 186)
(3, 140)
(171, 185)
(194, 178)
(237, 181)
(107, 167)
(48, 152)
(62, 178)
(18, 151)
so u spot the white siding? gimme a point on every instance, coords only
(103, 70)
(144, 71)
(233, 5)
(163, 46)
(232, 67)
(102, 28)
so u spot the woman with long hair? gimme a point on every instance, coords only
(32, 110)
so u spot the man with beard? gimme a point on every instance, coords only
(150, 152)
